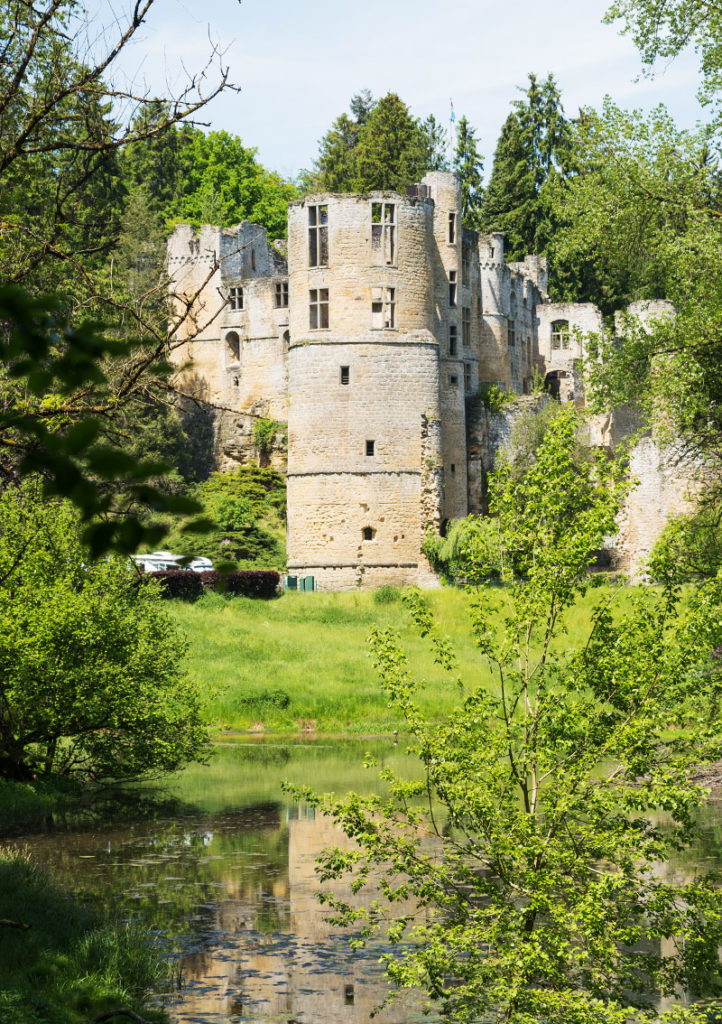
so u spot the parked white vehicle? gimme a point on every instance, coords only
(162, 561)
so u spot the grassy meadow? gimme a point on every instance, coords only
(301, 662)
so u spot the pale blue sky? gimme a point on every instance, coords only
(299, 63)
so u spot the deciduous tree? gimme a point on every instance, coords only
(91, 677)
(533, 845)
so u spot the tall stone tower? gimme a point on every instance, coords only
(370, 386)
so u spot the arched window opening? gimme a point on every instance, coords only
(286, 340)
(512, 303)
(368, 533)
(560, 334)
(233, 344)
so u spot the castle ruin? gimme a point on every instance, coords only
(371, 342)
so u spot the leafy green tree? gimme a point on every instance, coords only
(646, 203)
(223, 184)
(534, 147)
(91, 678)
(246, 510)
(532, 844)
(469, 165)
(662, 29)
(640, 190)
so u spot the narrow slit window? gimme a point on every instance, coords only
(466, 326)
(467, 377)
(281, 294)
(452, 228)
(344, 374)
(318, 308)
(383, 233)
(318, 236)
(370, 446)
(453, 468)
(512, 334)
(452, 287)
(235, 298)
(466, 268)
(253, 259)
(453, 337)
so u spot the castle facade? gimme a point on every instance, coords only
(371, 341)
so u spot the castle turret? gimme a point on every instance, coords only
(365, 462)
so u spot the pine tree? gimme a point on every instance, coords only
(381, 146)
(534, 146)
(469, 165)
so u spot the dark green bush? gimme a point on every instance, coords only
(179, 583)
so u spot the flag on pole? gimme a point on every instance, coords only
(453, 115)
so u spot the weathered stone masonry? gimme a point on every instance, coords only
(370, 343)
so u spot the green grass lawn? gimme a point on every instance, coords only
(304, 657)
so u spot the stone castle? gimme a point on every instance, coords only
(370, 340)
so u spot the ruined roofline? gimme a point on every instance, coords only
(378, 194)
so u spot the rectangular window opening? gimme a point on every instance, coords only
(452, 228)
(466, 326)
(383, 232)
(370, 445)
(281, 294)
(452, 287)
(235, 298)
(344, 374)
(318, 308)
(318, 236)
(383, 309)
(467, 377)
(453, 380)
(453, 334)
(466, 269)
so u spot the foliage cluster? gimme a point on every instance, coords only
(68, 966)
(531, 847)
(246, 583)
(534, 149)
(246, 514)
(380, 146)
(90, 663)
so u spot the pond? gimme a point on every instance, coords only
(223, 871)
(226, 876)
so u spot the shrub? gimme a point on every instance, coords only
(247, 583)
(273, 698)
(181, 583)
(387, 595)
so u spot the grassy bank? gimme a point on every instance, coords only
(278, 666)
(59, 962)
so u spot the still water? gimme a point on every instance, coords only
(225, 875)
(223, 872)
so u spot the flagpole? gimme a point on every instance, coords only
(453, 133)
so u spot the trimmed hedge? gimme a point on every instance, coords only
(182, 583)
(262, 583)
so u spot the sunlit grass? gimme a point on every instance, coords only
(302, 661)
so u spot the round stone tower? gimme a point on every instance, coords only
(365, 468)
